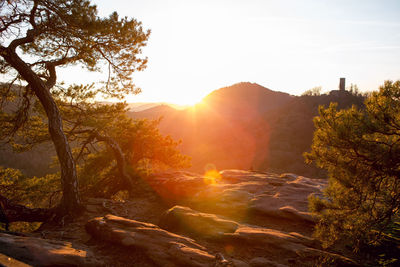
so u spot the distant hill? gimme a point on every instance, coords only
(242, 98)
(141, 106)
(247, 126)
(154, 112)
(225, 128)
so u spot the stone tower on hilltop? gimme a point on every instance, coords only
(342, 89)
(342, 84)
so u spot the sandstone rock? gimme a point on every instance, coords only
(163, 247)
(269, 239)
(42, 252)
(184, 219)
(8, 261)
(240, 194)
(239, 263)
(176, 186)
(264, 199)
(293, 245)
(289, 175)
(263, 262)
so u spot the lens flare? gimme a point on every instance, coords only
(212, 177)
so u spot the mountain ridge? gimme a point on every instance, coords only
(247, 126)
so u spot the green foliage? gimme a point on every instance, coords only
(38, 192)
(142, 145)
(34, 191)
(360, 149)
(140, 140)
(144, 148)
(36, 37)
(64, 32)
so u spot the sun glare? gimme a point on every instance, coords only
(186, 100)
(211, 177)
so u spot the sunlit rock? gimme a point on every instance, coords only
(162, 247)
(196, 223)
(235, 236)
(241, 194)
(42, 252)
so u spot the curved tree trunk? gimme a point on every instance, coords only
(70, 202)
(119, 156)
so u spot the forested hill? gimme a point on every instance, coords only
(243, 126)
(247, 126)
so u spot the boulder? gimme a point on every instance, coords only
(42, 252)
(163, 247)
(184, 219)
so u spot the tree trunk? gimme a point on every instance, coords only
(119, 156)
(70, 202)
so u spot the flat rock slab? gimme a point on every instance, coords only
(239, 194)
(42, 252)
(161, 246)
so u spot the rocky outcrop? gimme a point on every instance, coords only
(229, 218)
(293, 245)
(163, 247)
(240, 194)
(41, 252)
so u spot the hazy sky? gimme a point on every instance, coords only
(285, 45)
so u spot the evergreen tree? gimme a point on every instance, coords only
(37, 36)
(360, 149)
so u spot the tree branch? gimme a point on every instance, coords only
(14, 212)
(29, 38)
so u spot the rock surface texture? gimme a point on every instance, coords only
(228, 218)
(241, 194)
(40, 252)
(163, 247)
(299, 248)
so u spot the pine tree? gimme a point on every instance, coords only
(37, 36)
(360, 149)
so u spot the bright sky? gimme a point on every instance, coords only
(197, 46)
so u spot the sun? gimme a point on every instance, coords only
(186, 100)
